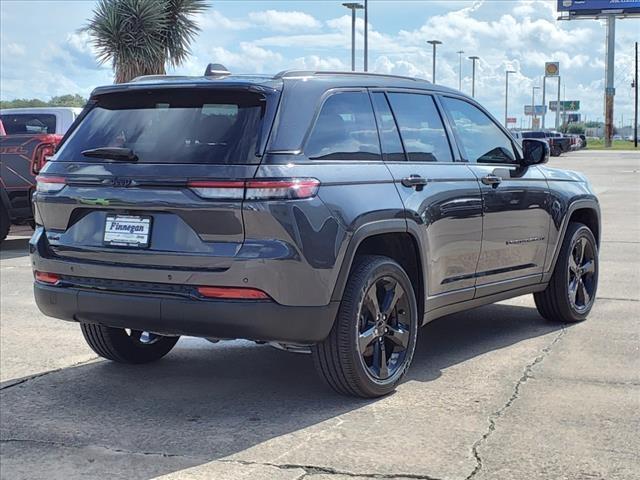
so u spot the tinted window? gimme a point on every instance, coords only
(164, 126)
(345, 129)
(481, 139)
(533, 135)
(421, 127)
(389, 137)
(28, 123)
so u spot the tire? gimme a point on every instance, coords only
(571, 292)
(352, 358)
(555, 151)
(5, 223)
(119, 345)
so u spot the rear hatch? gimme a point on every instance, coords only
(154, 176)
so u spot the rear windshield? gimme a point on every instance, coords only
(28, 123)
(172, 126)
(533, 135)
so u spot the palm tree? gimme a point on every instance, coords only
(140, 37)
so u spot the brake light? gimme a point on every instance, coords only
(40, 156)
(219, 190)
(48, 278)
(50, 184)
(282, 189)
(232, 293)
(296, 188)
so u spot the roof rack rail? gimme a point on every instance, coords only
(311, 73)
(143, 78)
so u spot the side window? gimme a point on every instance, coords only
(481, 139)
(345, 129)
(421, 127)
(392, 150)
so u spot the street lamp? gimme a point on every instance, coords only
(506, 97)
(460, 52)
(435, 43)
(353, 7)
(533, 104)
(474, 59)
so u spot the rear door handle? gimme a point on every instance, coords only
(415, 181)
(492, 180)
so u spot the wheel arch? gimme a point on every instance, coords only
(585, 211)
(390, 238)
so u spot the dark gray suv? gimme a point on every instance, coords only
(326, 212)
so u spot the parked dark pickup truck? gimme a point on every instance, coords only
(27, 137)
(557, 142)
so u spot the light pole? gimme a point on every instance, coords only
(460, 52)
(506, 97)
(366, 35)
(474, 59)
(353, 7)
(533, 104)
(435, 43)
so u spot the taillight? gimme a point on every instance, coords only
(47, 184)
(282, 189)
(40, 156)
(232, 293)
(296, 188)
(48, 278)
(219, 190)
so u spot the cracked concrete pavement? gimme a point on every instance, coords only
(494, 393)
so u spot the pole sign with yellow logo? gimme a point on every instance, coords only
(551, 69)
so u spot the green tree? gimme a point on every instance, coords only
(69, 100)
(142, 37)
(577, 128)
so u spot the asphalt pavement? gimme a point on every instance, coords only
(494, 393)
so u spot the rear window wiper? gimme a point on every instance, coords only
(112, 153)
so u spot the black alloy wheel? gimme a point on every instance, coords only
(582, 274)
(571, 291)
(371, 344)
(384, 328)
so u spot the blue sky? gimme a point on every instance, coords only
(42, 53)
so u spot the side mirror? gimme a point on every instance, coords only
(535, 151)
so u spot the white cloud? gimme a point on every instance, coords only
(249, 58)
(284, 21)
(213, 19)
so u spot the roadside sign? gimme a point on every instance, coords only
(572, 118)
(511, 120)
(540, 110)
(536, 123)
(598, 7)
(551, 69)
(565, 105)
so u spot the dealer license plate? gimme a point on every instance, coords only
(127, 231)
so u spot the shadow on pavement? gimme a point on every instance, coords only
(210, 401)
(14, 248)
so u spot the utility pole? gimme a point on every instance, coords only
(435, 43)
(533, 105)
(366, 35)
(635, 121)
(353, 7)
(544, 98)
(506, 97)
(558, 106)
(460, 52)
(610, 90)
(474, 59)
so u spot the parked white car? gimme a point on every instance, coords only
(38, 120)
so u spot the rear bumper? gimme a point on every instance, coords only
(254, 320)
